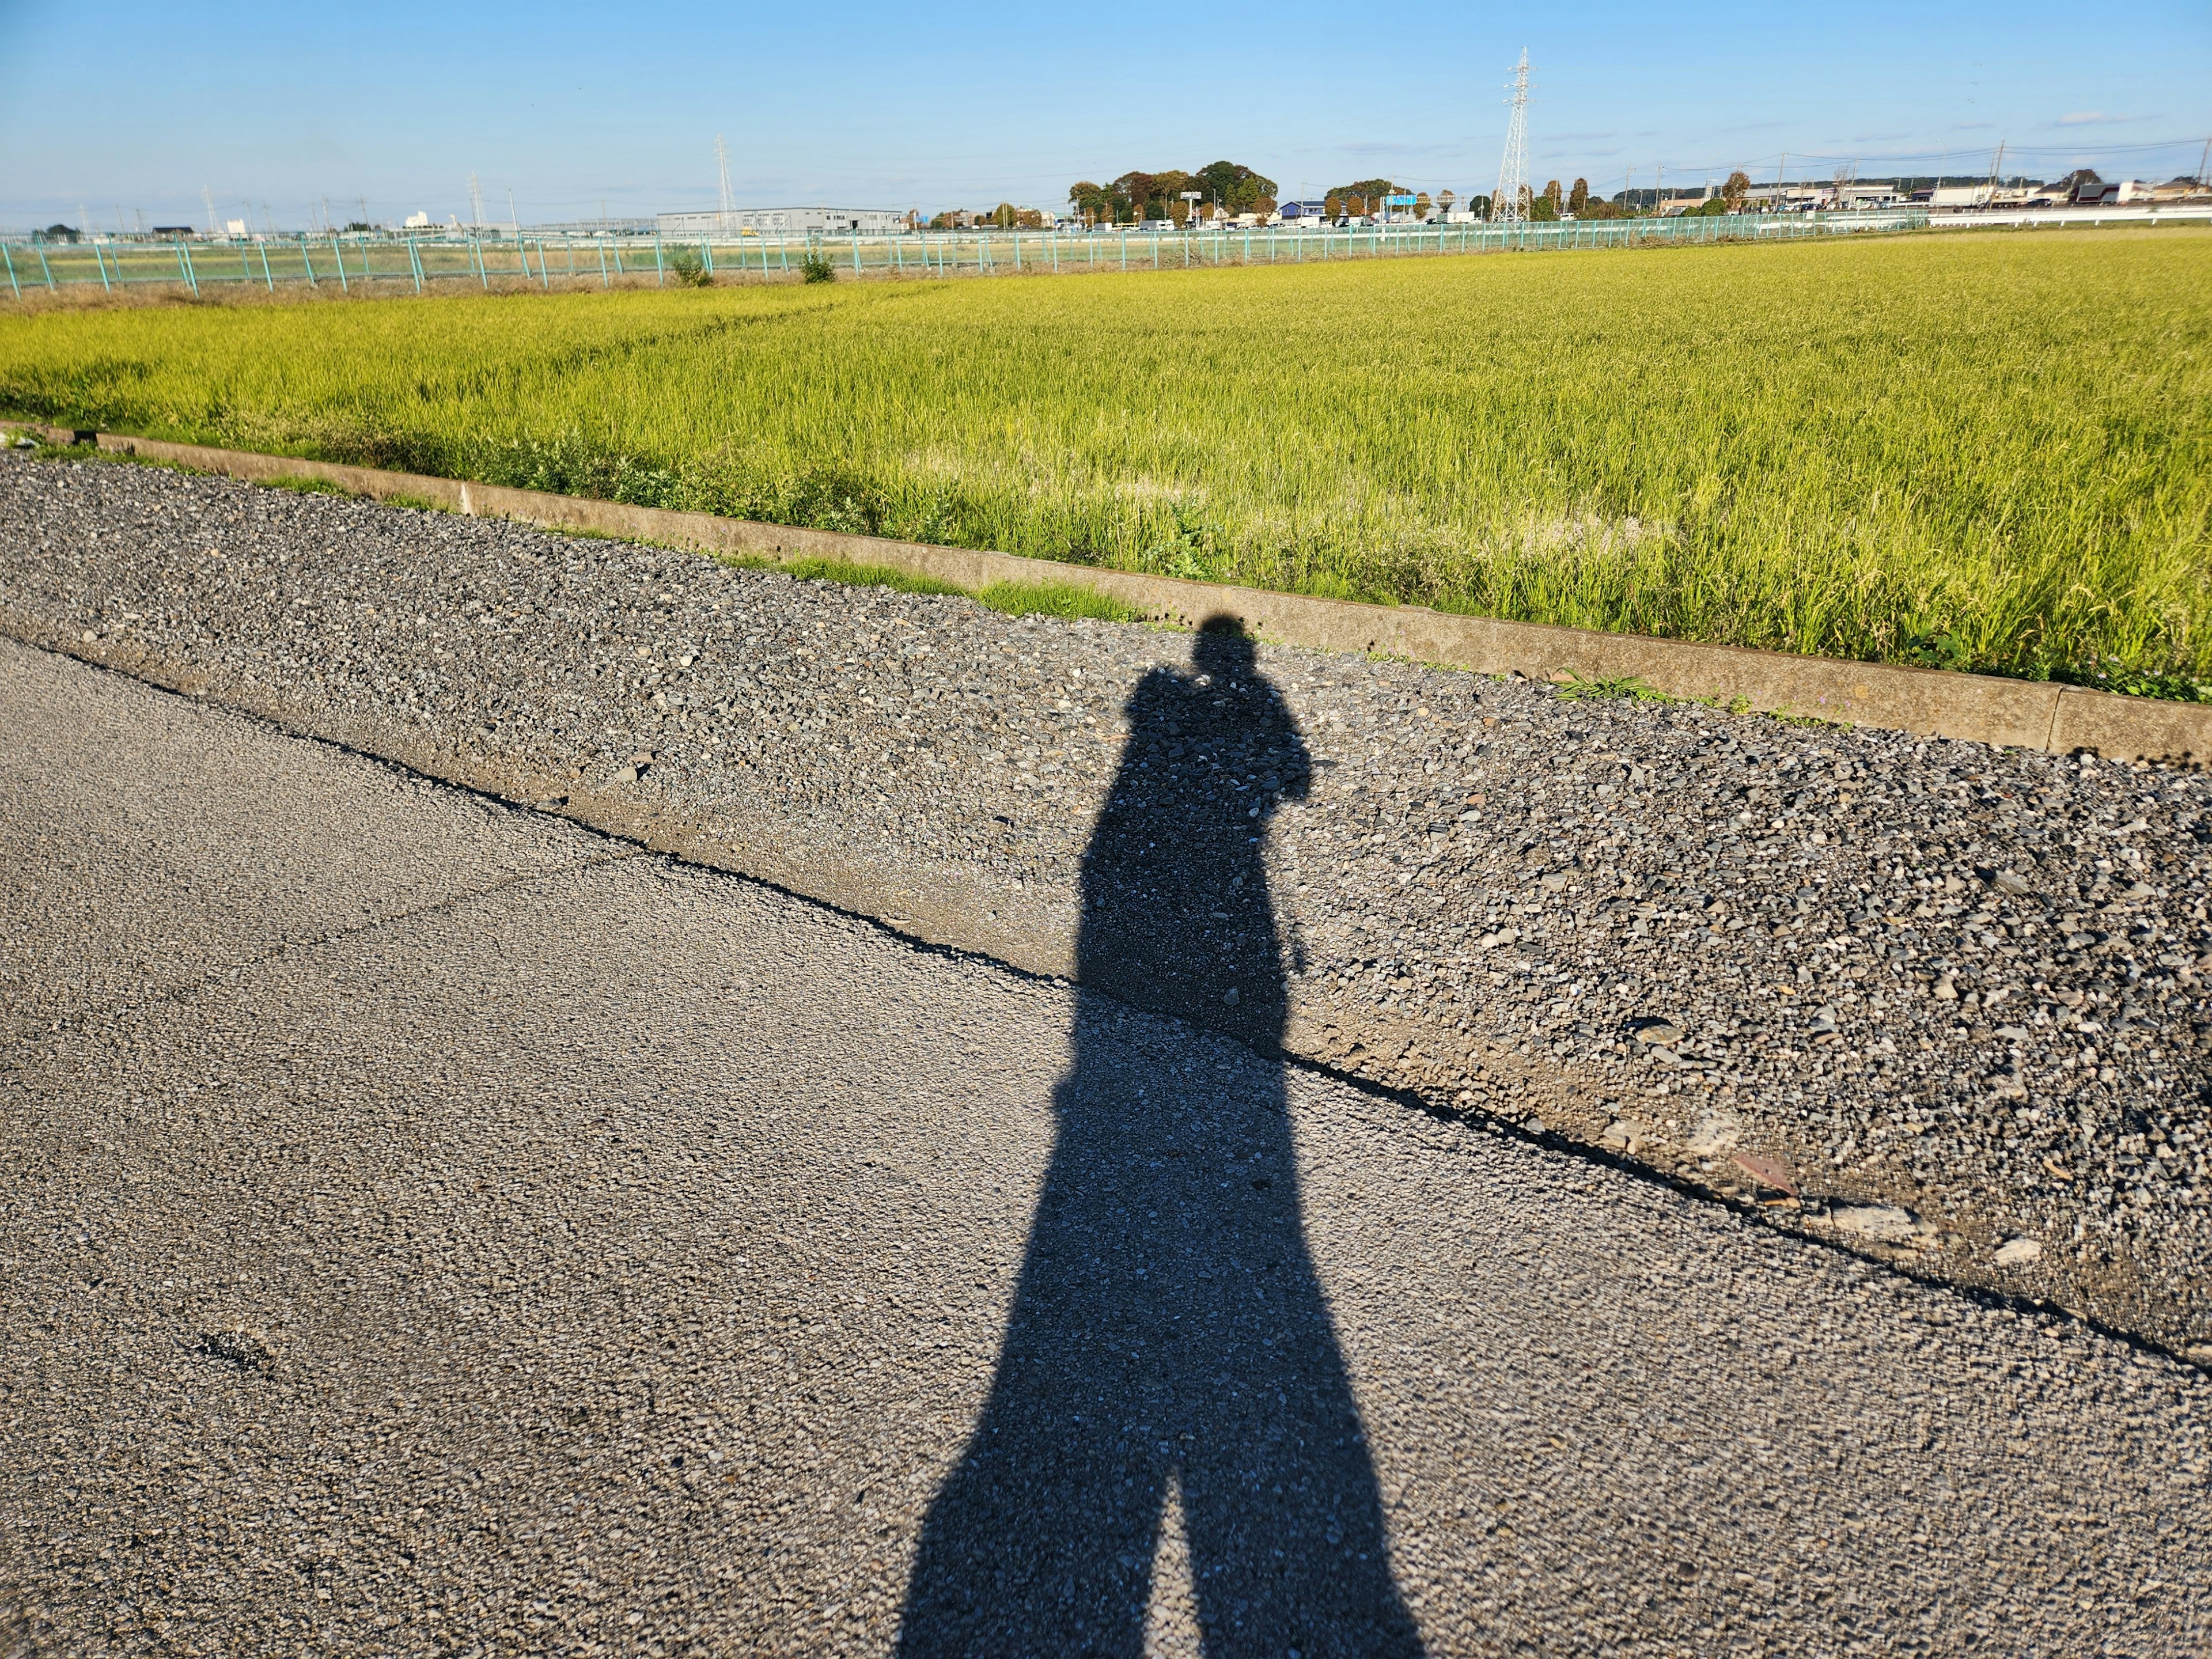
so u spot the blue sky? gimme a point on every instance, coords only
(135, 107)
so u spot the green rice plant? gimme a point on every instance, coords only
(1062, 599)
(1992, 453)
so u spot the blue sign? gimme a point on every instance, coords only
(1399, 201)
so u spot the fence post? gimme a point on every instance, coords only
(98, 260)
(338, 252)
(856, 253)
(45, 269)
(660, 276)
(263, 249)
(16, 287)
(307, 264)
(604, 281)
(414, 263)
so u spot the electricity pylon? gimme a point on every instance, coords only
(728, 209)
(1506, 205)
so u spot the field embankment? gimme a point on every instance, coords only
(1987, 453)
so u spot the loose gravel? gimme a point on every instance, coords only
(1942, 1004)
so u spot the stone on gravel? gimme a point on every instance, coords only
(1880, 1224)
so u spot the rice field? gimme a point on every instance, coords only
(1980, 451)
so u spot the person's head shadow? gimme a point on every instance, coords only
(1176, 912)
(1169, 1345)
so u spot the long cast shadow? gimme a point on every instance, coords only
(1168, 1332)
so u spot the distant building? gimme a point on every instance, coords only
(782, 221)
(1292, 210)
(2113, 193)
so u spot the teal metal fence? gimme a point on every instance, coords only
(31, 266)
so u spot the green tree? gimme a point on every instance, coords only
(1363, 196)
(1093, 203)
(1235, 187)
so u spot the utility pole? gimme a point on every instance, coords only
(476, 204)
(2204, 157)
(1513, 168)
(1659, 193)
(208, 196)
(513, 217)
(1781, 184)
(725, 202)
(1996, 166)
(363, 200)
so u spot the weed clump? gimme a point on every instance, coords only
(1063, 599)
(816, 269)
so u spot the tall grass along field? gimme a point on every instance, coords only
(1977, 452)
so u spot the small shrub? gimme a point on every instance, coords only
(688, 270)
(816, 269)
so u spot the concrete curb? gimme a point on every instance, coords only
(1972, 707)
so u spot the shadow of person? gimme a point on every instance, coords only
(1170, 1346)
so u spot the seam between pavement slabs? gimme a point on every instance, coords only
(624, 849)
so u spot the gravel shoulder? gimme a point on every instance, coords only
(1939, 1004)
(595, 1253)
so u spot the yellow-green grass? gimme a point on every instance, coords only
(1986, 451)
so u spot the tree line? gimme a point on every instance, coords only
(1226, 190)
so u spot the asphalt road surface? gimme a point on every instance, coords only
(428, 1227)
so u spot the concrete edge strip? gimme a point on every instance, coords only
(1971, 708)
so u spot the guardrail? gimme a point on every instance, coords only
(34, 265)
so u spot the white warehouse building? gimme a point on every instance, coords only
(782, 221)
